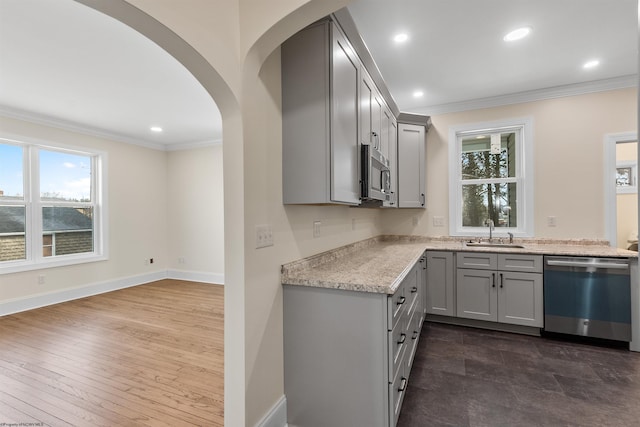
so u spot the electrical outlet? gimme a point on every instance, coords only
(41, 279)
(181, 260)
(353, 223)
(438, 221)
(552, 221)
(316, 228)
(264, 236)
(415, 221)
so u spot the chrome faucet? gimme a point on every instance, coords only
(510, 238)
(489, 223)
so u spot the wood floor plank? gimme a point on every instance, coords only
(149, 355)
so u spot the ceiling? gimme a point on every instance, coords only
(456, 55)
(64, 64)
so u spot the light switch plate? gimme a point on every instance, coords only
(264, 236)
(316, 228)
(552, 221)
(438, 221)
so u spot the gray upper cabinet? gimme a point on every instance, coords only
(320, 149)
(392, 142)
(411, 166)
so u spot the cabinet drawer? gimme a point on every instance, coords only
(477, 260)
(519, 262)
(398, 341)
(396, 395)
(396, 306)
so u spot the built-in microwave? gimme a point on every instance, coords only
(376, 175)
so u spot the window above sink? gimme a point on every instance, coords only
(491, 178)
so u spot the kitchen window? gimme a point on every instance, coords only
(491, 166)
(51, 206)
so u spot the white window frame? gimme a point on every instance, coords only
(34, 258)
(524, 176)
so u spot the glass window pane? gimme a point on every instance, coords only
(489, 201)
(69, 228)
(65, 176)
(489, 156)
(11, 173)
(12, 236)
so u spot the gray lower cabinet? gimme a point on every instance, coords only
(504, 288)
(440, 283)
(320, 147)
(348, 355)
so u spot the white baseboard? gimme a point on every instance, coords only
(29, 303)
(196, 276)
(41, 300)
(277, 415)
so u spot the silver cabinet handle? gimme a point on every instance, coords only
(401, 300)
(563, 263)
(403, 385)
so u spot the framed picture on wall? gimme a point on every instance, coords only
(627, 177)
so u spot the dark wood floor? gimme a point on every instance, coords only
(149, 355)
(471, 377)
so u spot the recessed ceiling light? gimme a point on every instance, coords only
(155, 129)
(401, 38)
(591, 64)
(517, 34)
(418, 94)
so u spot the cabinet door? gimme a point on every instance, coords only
(440, 299)
(476, 294)
(344, 151)
(376, 118)
(385, 124)
(411, 166)
(393, 163)
(366, 96)
(520, 298)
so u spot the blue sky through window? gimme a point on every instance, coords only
(63, 176)
(11, 170)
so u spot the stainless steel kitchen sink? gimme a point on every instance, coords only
(493, 245)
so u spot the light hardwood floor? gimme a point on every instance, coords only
(148, 355)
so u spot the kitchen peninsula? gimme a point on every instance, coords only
(353, 315)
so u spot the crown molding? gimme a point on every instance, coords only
(42, 119)
(621, 82)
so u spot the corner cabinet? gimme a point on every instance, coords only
(348, 354)
(411, 166)
(504, 288)
(320, 149)
(440, 283)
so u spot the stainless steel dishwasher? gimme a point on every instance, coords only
(588, 296)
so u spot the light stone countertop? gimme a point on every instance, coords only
(379, 264)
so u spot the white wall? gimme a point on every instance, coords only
(137, 200)
(568, 162)
(195, 207)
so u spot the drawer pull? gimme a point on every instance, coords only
(415, 335)
(501, 280)
(403, 385)
(403, 338)
(414, 289)
(401, 300)
(493, 280)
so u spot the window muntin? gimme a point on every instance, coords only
(57, 221)
(491, 178)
